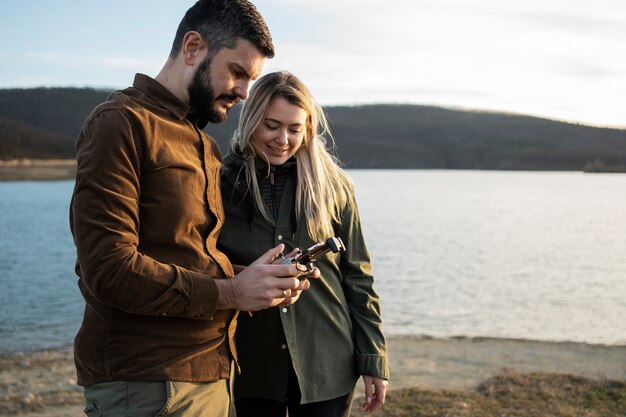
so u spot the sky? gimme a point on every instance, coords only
(559, 59)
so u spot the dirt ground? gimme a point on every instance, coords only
(44, 383)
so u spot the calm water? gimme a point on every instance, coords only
(530, 255)
(40, 305)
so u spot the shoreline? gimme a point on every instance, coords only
(44, 383)
(464, 362)
(28, 169)
(37, 169)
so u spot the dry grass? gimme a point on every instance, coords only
(46, 387)
(512, 395)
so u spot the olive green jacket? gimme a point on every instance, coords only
(333, 333)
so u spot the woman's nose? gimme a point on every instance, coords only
(282, 136)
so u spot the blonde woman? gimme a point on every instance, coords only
(280, 184)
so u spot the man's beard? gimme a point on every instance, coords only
(202, 98)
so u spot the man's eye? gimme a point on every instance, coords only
(238, 73)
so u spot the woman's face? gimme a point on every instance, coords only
(281, 133)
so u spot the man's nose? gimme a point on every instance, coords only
(242, 88)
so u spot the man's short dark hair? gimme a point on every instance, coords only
(222, 22)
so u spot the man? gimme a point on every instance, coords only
(157, 332)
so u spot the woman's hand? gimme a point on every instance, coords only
(375, 391)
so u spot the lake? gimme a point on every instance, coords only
(528, 255)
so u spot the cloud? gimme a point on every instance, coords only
(514, 56)
(553, 58)
(125, 63)
(43, 56)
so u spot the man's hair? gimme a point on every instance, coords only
(221, 23)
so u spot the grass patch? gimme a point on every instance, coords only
(511, 394)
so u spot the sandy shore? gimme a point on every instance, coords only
(43, 383)
(37, 169)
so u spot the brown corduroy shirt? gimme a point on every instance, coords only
(145, 215)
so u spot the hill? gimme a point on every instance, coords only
(44, 123)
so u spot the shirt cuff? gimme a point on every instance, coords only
(204, 295)
(238, 268)
(373, 365)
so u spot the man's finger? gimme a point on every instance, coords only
(293, 253)
(269, 256)
(303, 284)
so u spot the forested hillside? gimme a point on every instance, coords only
(44, 123)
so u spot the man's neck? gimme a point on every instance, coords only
(174, 80)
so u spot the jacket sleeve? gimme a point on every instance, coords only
(363, 301)
(105, 221)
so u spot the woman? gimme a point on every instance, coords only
(281, 185)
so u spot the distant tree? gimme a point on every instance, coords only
(44, 123)
(18, 140)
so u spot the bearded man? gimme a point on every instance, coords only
(160, 300)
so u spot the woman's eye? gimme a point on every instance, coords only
(271, 127)
(295, 131)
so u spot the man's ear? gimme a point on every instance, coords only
(193, 47)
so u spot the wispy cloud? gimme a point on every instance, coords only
(125, 63)
(556, 58)
(43, 56)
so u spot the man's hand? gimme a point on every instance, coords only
(292, 295)
(375, 391)
(262, 284)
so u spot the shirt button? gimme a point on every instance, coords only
(283, 346)
(284, 309)
(280, 237)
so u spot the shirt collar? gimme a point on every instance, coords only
(164, 97)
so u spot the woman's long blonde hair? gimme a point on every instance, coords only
(323, 188)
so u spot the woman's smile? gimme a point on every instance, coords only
(281, 133)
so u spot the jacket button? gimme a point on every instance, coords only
(283, 346)
(280, 237)
(284, 309)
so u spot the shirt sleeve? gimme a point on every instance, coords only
(363, 301)
(105, 222)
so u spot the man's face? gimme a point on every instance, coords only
(221, 81)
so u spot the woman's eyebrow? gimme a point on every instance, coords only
(269, 119)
